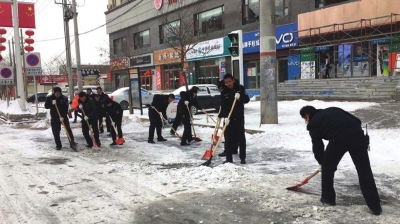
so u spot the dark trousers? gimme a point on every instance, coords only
(187, 128)
(155, 124)
(358, 150)
(118, 124)
(108, 124)
(76, 115)
(56, 128)
(87, 135)
(177, 121)
(234, 137)
(327, 72)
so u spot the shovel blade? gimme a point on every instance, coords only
(74, 146)
(298, 185)
(119, 141)
(207, 155)
(197, 139)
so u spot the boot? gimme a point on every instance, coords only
(161, 139)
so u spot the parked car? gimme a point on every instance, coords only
(121, 96)
(208, 97)
(41, 98)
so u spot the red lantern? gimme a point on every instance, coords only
(29, 48)
(29, 32)
(2, 47)
(28, 41)
(2, 40)
(1, 57)
(3, 31)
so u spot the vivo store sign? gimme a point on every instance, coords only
(286, 36)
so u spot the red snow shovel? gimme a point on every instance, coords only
(208, 153)
(197, 139)
(304, 181)
(118, 140)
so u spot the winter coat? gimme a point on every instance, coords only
(62, 104)
(227, 98)
(90, 108)
(160, 102)
(333, 124)
(114, 111)
(187, 96)
(100, 103)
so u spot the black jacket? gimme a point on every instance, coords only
(100, 104)
(227, 98)
(62, 104)
(160, 102)
(114, 111)
(332, 124)
(89, 106)
(187, 96)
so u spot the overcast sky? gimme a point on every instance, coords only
(49, 25)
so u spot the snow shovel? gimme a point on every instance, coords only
(163, 119)
(91, 130)
(208, 153)
(119, 140)
(208, 162)
(72, 144)
(304, 181)
(208, 115)
(197, 139)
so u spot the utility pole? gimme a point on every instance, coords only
(268, 81)
(23, 63)
(20, 78)
(15, 71)
(77, 49)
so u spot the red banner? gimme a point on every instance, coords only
(109, 76)
(48, 79)
(121, 63)
(26, 15)
(6, 14)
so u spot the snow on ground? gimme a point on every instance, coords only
(15, 108)
(163, 183)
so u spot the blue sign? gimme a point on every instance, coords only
(323, 48)
(294, 68)
(380, 41)
(251, 42)
(286, 36)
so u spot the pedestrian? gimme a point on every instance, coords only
(114, 110)
(87, 107)
(76, 114)
(344, 133)
(157, 109)
(100, 106)
(235, 131)
(188, 99)
(327, 65)
(90, 93)
(60, 102)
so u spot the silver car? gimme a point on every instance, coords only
(121, 96)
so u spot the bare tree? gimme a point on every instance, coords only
(180, 31)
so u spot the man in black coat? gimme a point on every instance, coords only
(87, 106)
(234, 133)
(188, 99)
(345, 134)
(61, 101)
(101, 109)
(160, 103)
(114, 110)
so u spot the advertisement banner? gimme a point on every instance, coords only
(135, 93)
(307, 64)
(158, 78)
(251, 42)
(383, 60)
(286, 36)
(207, 49)
(294, 69)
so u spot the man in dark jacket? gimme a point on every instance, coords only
(100, 107)
(114, 110)
(160, 104)
(188, 99)
(345, 134)
(87, 107)
(234, 133)
(61, 101)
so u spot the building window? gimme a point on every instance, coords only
(319, 4)
(250, 11)
(169, 32)
(119, 46)
(209, 21)
(141, 39)
(281, 8)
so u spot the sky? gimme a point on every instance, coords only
(49, 25)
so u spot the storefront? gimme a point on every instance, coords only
(287, 39)
(147, 70)
(168, 69)
(120, 72)
(208, 61)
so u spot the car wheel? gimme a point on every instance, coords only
(124, 105)
(194, 110)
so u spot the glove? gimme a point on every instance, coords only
(113, 123)
(160, 114)
(80, 106)
(61, 119)
(54, 102)
(186, 103)
(226, 121)
(320, 168)
(85, 118)
(237, 96)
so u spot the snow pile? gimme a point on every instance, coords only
(42, 124)
(15, 108)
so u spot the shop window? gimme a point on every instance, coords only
(323, 3)
(209, 21)
(253, 75)
(319, 4)
(169, 32)
(209, 72)
(281, 8)
(141, 39)
(250, 11)
(119, 46)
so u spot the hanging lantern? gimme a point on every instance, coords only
(29, 48)
(2, 47)
(3, 31)
(28, 41)
(29, 33)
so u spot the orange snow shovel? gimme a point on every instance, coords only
(305, 180)
(118, 140)
(214, 138)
